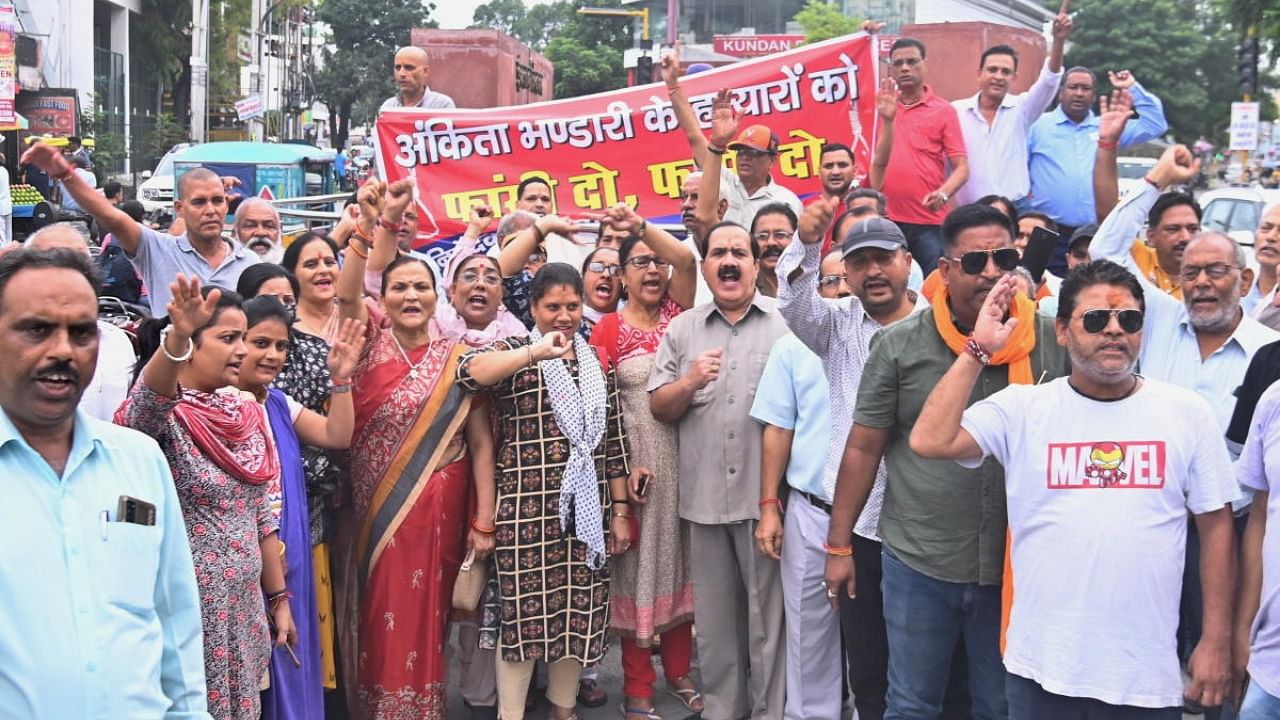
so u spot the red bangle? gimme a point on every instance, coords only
(388, 225)
(1107, 145)
(842, 551)
(771, 501)
(340, 383)
(475, 525)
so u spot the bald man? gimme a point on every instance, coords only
(411, 70)
(116, 356)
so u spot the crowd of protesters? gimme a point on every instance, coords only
(878, 449)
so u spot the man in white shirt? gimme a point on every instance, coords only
(995, 124)
(411, 70)
(750, 187)
(1101, 470)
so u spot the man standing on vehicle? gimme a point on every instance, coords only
(411, 69)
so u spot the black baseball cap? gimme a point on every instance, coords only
(874, 232)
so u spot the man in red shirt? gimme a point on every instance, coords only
(922, 133)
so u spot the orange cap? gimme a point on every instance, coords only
(756, 137)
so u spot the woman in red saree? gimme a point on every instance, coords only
(418, 444)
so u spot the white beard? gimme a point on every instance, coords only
(273, 256)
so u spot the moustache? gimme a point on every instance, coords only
(729, 272)
(60, 368)
(771, 252)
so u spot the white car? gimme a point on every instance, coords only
(1131, 171)
(1237, 211)
(156, 190)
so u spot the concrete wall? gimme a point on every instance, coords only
(485, 68)
(954, 49)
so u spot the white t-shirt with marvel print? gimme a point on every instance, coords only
(1098, 494)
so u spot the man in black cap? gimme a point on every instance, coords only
(1078, 245)
(876, 268)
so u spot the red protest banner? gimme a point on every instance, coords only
(625, 145)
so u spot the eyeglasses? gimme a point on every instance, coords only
(1095, 321)
(973, 263)
(751, 154)
(830, 281)
(598, 267)
(535, 258)
(471, 276)
(1216, 271)
(642, 261)
(908, 62)
(779, 235)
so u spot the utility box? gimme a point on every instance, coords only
(485, 68)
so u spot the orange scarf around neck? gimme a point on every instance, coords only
(1016, 354)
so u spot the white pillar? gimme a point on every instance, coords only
(199, 67)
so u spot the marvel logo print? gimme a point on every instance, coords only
(1134, 464)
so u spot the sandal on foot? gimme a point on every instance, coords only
(626, 712)
(687, 696)
(591, 694)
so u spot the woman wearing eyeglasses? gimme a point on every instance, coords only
(652, 590)
(602, 286)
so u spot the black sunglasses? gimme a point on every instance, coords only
(973, 263)
(1095, 321)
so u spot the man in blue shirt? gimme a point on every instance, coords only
(201, 252)
(101, 613)
(1062, 147)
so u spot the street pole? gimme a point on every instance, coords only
(1250, 34)
(199, 68)
(673, 18)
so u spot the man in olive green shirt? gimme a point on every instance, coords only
(704, 380)
(942, 526)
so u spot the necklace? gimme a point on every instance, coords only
(1132, 389)
(413, 367)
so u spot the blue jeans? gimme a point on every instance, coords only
(1259, 705)
(925, 619)
(925, 244)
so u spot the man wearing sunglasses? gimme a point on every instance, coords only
(942, 529)
(1102, 469)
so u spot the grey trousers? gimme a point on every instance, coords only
(740, 636)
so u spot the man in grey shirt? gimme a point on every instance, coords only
(411, 70)
(704, 380)
(200, 252)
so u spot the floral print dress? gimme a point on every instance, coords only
(225, 520)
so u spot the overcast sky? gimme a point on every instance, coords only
(457, 13)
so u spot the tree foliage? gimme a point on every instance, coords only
(821, 20)
(586, 50)
(1262, 15)
(356, 71)
(1180, 50)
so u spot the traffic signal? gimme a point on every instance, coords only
(644, 69)
(1247, 65)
